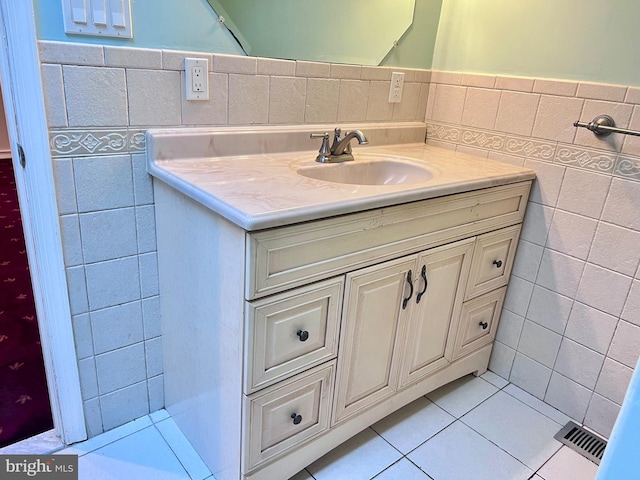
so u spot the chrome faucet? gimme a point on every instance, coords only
(340, 150)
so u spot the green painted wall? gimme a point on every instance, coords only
(173, 24)
(590, 40)
(593, 40)
(416, 46)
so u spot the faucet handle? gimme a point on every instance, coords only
(336, 138)
(324, 151)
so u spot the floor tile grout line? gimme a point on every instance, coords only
(76, 445)
(175, 454)
(405, 457)
(534, 408)
(526, 405)
(511, 455)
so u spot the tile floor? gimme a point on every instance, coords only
(472, 429)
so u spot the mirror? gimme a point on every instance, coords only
(358, 32)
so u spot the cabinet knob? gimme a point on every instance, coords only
(296, 418)
(497, 263)
(484, 325)
(303, 334)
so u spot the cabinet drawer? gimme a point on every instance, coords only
(285, 415)
(291, 332)
(478, 322)
(280, 258)
(492, 260)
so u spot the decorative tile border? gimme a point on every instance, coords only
(443, 132)
(137, 141)
(527, 147)
(488, 140)
(600, 161)
(464, 136)
(94, 142)
(585, 158)
(627, 167)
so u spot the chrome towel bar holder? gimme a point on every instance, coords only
(604, 125)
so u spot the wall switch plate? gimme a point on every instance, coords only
(97, 17)
(196, 78)
(397, 84)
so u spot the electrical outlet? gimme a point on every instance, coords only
(397, 84)
(196, 78)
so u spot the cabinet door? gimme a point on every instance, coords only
(440, 282)
(367, 370)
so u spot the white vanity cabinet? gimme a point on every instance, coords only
(280, 344)
(397, 319)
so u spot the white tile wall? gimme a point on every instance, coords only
(71, 241)
(621, 205)
(119, 368)
(112, 282)
(624, 347)
(549, 309)
(208, 112)
(286, 100)
(570, 332)
(116, 327)
(539, 343)
(103, 183)
(99, 102)
(378, 107)
(108, 234)
(510, 328)
(154, 97)
(591, 327)
(560, 273)
(586, 197)
(579, 363)
(132, 57)
(571, 234)
(530, 375)
(547, 189)
(95, 96)
(121, 404)
(65, 186)
(568, 396)
(52, 84)
(516, 112)
(248, 99)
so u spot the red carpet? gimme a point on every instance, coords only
(24, 401)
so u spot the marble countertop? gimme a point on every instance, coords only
(264, 190)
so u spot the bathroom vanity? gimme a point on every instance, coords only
(297, 311)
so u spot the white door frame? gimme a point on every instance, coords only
(27, 126)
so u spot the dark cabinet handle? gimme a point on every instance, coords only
(484, 325)
(497, 263)
(406, 300)
(423, 274)
(303, 334)
(296, 418)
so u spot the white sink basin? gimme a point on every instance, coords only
(371, 170)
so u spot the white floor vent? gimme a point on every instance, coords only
(584, 442)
